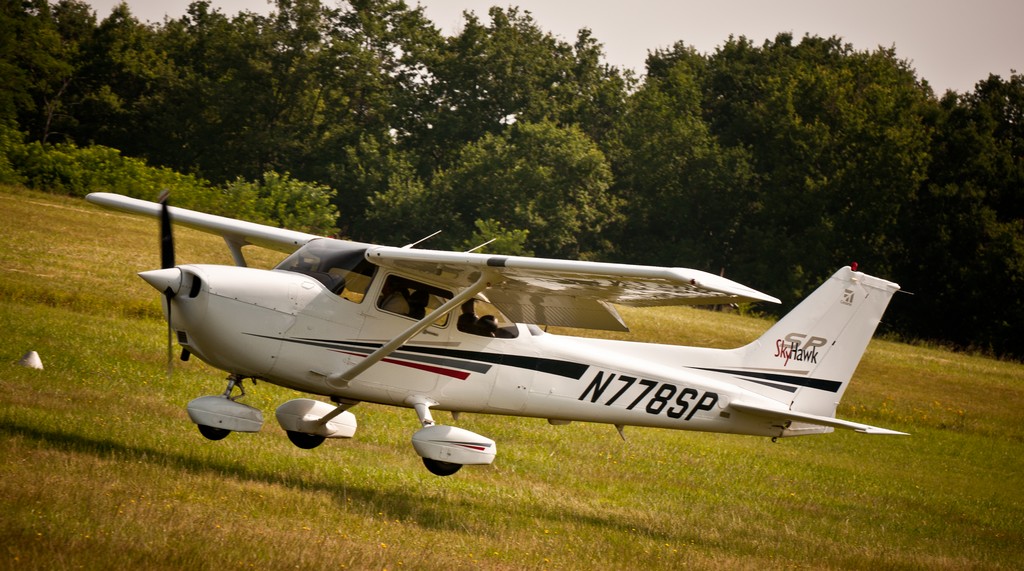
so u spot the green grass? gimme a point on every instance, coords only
(100, 467)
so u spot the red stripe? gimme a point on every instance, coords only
(461, 375)
(470, 445)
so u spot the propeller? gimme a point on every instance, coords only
(167, 262)
(166, 237)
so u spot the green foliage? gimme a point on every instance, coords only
(968, 222)
(65, 168)
(379, 178)
(493, 74)
(549, 180)
(495, 238)
(288, 203)
(686, 196)
(10, 144)
(36, 66)
(403, 214)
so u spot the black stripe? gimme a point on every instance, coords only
(497, 261)
(367, 348)
(786, 388)
(820, 384)
(566, 369)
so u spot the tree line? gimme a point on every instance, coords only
(773, 163)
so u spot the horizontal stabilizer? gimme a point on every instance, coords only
(783, 415)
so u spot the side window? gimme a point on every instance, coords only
(411, 298)
(480, 317)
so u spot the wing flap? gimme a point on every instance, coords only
(782, 416)
(557, 310)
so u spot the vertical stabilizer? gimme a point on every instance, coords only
(817, 346)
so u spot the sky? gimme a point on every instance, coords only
(952, 44)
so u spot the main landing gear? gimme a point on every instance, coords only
(307, 422)
(446, 449)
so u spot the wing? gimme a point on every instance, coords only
(236, 233)
(528, 290)
(565, 292)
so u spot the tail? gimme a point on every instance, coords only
(816, 349)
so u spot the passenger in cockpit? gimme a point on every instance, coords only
(394, 298)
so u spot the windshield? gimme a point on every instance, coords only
(342, 267)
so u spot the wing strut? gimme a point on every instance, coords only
(235, 245)
(339, 380)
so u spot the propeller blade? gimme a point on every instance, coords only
(166, 236)
(170, 336)
(166, 262)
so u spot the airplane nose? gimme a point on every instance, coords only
(161, 280)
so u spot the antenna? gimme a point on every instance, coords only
(424, 239)
(481, 245)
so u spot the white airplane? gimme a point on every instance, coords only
(426, 329)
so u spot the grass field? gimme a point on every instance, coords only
(100, 467)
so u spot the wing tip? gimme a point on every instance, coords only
(878, 430)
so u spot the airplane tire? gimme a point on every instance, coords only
(212, 432)
(304, 440)
(439, 468)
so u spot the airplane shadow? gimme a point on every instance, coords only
(409, 504)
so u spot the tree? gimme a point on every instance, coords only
(492, 75)
(123, 77)
(685, 195)
(378, 77)
(538, 177)
(964, 232)
(36, 67)
(382, 192)
(245, 96)
(837, 146)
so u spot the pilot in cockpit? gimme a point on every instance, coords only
(469, 323)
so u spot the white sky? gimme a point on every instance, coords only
(951, 43)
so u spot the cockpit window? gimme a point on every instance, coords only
(411, 298)
(341, 267)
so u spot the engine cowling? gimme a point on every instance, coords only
(453, 445)
(302, 415)
(225, 414)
